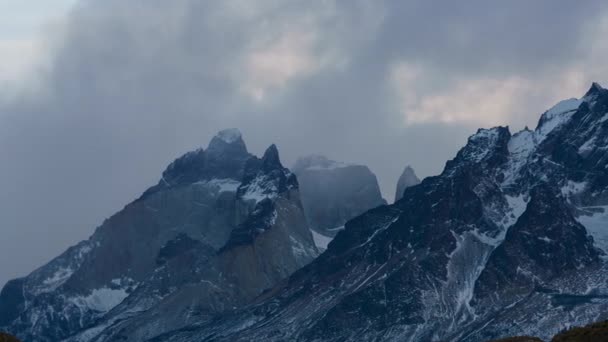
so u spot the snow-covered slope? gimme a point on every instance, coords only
(220, 227)
(507, 241)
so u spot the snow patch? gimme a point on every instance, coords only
(62, 273)
(321, 241)
(260, 188)
(101, 300)
(522, 143)
(221, 185)
(467, 262)
(59, 277)
(563, 107)
(520, 146)
(517, 206)
(587, 147)
(596, 223)
(556, 116)
(573, 188)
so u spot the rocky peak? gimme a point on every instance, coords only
(408, 178)
(227, 142)
(265, 177)
(220, 227)
(271, 159)
(594, 90)
(488, 147)
(224, 158)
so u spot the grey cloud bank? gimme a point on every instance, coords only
(133, 84)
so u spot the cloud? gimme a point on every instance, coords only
(132, 84)
(484, 101)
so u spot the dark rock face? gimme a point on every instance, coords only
(11, 301)
(333, 192)
(513, 230)
(407, 179)
(545, 243)
(178, 251)
(509, 240)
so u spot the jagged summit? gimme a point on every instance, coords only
(265, 177)
(271, 157)
(220, 227)
(224, 158)
(595, 89)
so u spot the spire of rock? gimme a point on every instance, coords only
(595, 89)
(271, 158)
(408, 178)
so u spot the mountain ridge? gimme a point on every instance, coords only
(423, 268)
(174, 248)
(514, 223)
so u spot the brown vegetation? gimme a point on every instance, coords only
(7, 338)
(597, 332)
(519, 339)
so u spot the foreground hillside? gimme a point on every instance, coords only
(7, 338)
(597, 332)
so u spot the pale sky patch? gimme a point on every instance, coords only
(24, 39)
(272, 66)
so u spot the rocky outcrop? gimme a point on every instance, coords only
(407, 179)
(333, 192)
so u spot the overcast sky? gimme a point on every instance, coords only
(98, 96)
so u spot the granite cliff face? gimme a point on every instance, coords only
(220, 227)
(513, 230)
(334, 192)
(407, 179)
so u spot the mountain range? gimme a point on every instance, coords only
(510, 239)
